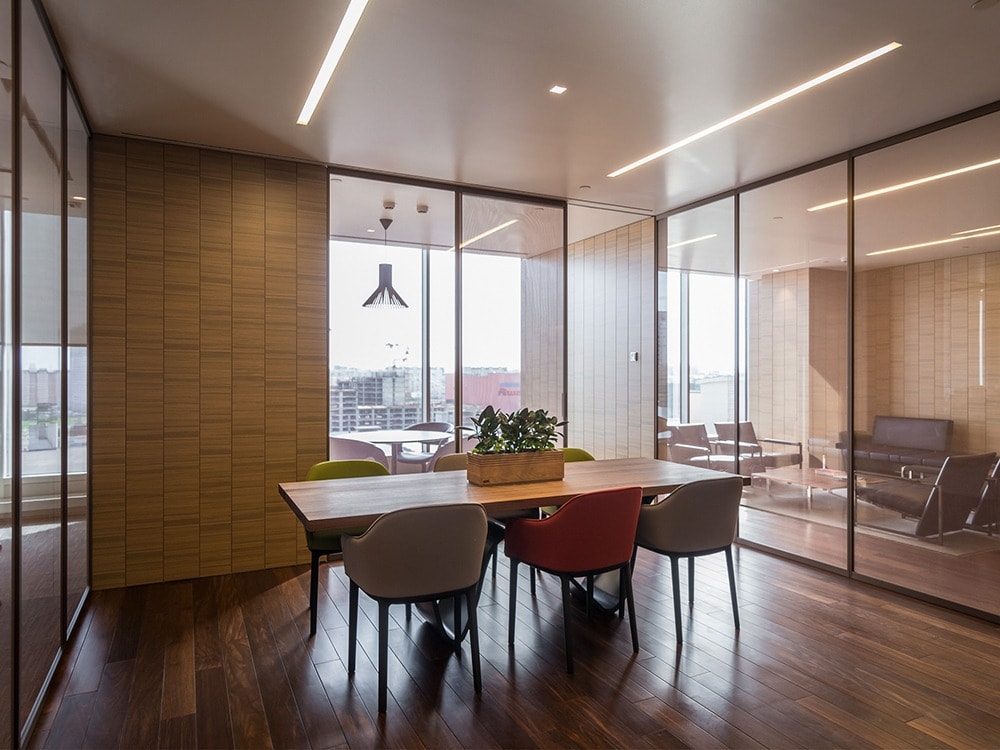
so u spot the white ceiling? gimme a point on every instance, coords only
(457, 90)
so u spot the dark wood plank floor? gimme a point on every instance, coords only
(821, 662)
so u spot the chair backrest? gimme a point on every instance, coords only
(418, 552)
(448, 449)
(341, 448)
(961, 482)
(691, 434)
(595, 530)
(432, 426)
(451, 462)
(696, 517)
(346, 468)
(727, 431)
(576, 454)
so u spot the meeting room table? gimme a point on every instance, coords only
(345, 504)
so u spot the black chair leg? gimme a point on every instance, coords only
(690, 581)
(676, 580)
(457, 606)
(590, 594)
(477, 673)
(383, 655)
(495, 560)
(313, 591)
(629, 599)
(732, 586)
(511, 613)
(352, 628)
(567, 623)
(532, 569)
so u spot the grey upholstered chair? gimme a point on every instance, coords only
(347, 448)
(416, 555)
(695, 519)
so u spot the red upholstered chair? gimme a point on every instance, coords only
(590, 534)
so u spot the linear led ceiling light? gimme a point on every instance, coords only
(802, 87)
(688, 242)
(932, 243)
(911, 183)
(333, 55)
(488, 232)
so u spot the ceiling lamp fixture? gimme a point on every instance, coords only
(347, 26)
(384, 295)
(802, 87)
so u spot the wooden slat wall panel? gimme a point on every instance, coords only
(281, 431)
(917, 351)
(182, 362)
(209, 357)
(542, 332)
(144, 362)
(107, 414)
(610, 281)
(216, 362)
(312, 390)
(249, 486)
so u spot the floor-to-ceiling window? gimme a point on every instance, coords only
(401, 290)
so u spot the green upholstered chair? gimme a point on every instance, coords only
(328, 542)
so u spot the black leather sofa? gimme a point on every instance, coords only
(895, 442)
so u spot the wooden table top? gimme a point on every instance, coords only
(341, 504)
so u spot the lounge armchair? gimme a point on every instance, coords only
(753, 447)
(938, 508)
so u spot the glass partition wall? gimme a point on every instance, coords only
(927, 363)
(44, 399)
(489, 307)
(863, 403)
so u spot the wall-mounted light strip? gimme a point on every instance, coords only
(932, 243)
(347, 26)
(802, 87)
(688, 242)
(911, 183)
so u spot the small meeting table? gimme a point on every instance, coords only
(344, 504)
(395, 439)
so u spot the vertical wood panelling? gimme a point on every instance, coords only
(312, 392)
(107, 413)
(182, 362)
(542, 329)
(281, 430)
(144, 362)
(249, 487)
(209, 357)
(918, 346)
(610, 281)
(216, 362)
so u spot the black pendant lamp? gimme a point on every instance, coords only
(385, 295)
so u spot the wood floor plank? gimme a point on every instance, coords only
(821, 661)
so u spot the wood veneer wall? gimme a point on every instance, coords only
(209, 357)
(917, 346)
(610, 285)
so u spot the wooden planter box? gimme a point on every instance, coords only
(515, 468)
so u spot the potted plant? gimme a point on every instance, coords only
(515, 447)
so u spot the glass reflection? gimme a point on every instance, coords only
(793, 263)
(927, 370)
(41, 362)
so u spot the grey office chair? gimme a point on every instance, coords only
(417, 555)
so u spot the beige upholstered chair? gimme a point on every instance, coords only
(452, 462)
(416, 555)
(694, 520)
